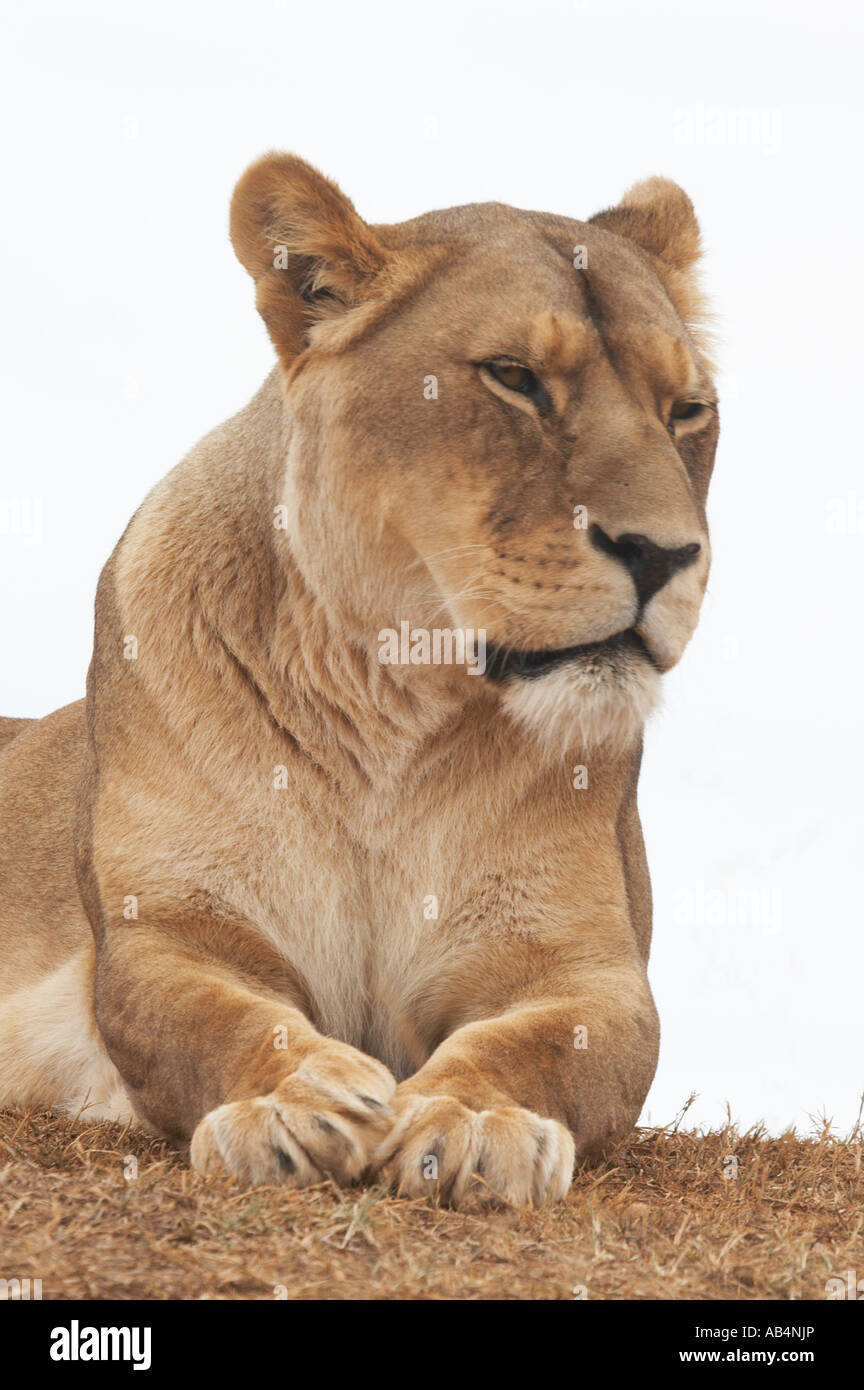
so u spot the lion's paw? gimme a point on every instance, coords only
(440, 1148)
(324, 1120)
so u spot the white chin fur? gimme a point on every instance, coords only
(578, 708)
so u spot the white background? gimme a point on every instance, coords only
(128, 330)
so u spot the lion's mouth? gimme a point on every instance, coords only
(504, 662)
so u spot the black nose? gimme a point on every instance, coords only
(649, 564)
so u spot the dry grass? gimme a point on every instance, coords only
(660, 1221)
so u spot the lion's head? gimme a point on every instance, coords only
(502, 420)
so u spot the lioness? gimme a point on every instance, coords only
(313, 912)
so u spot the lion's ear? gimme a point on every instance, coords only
(658, 216)
(309, 252)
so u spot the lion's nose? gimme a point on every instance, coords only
(650, 565)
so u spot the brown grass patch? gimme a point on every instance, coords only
(659, 1221)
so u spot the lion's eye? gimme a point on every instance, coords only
(688, 412)
(521, 380)
(515, 378)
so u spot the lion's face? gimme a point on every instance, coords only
(489, 436)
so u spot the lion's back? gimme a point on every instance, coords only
(41, 918)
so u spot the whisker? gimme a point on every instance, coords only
(452, 553)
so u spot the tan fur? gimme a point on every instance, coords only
(216, 878)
